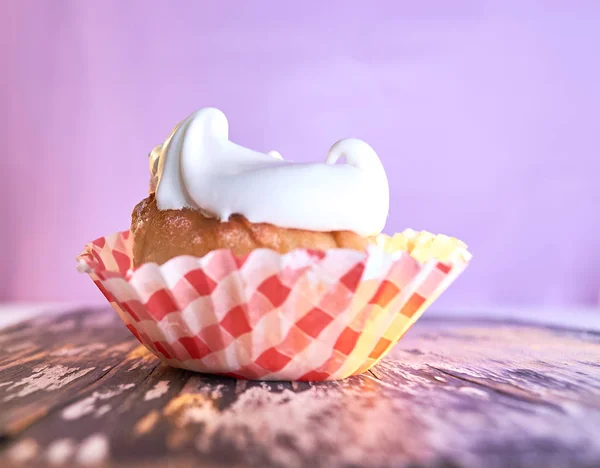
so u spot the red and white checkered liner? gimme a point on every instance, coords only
(305, 315)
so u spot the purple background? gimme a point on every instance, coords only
(485, 114)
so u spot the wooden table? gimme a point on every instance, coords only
(77, 388)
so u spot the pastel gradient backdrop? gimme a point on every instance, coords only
(486, 115)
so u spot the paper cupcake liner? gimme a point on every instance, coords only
(304, 315)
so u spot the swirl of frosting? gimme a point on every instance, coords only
(199, 168)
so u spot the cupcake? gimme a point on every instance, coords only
(244, 264)
(214, 194)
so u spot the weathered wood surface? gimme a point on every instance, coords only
(78, 389)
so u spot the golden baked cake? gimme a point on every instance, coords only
(161, 235)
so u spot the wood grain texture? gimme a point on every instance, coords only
(452, 393)
(46, 361)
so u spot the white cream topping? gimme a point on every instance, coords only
(200, 168)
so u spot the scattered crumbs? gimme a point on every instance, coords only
(93, 450)
(146, 424)
(60, 451)
(86, 405)
(159, 389)
(23, 451)
(46, 378)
